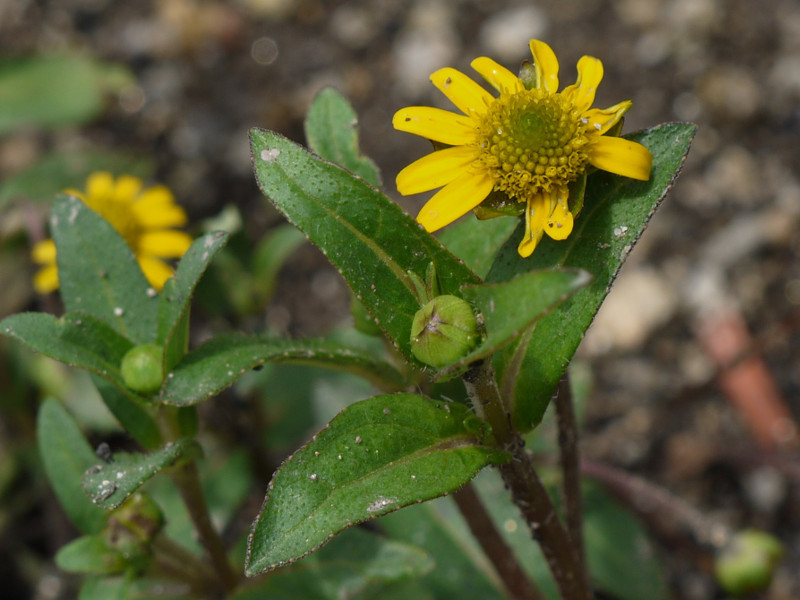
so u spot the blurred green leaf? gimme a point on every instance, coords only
(218, 363)
(66, 455)
(616, 211)
(90, 554)
(270, 255)
(331, 128)
(376, 456)
(438, 527)
(350, 565)
(104, 588)
(621, 558)
(51, 91)
(110, 484)
(511, 306)
(372, 242)
(175, 299)
(55, 172)
(478, 242)
(98, 272)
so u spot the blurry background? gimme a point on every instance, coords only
(170, 88)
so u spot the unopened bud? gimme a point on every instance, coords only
(747, 563)
(143, 368)
(444, 330)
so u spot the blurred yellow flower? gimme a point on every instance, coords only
(145, 218)
(528, 143)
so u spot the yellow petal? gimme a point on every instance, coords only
(158, 217)
(546, 65)
(100, 185)
(46, 280)
(455, 199)
(534, 221)
(500, 78)
(601, 120)
(435, 170)
(164, 244)
(590, 74)
(127, 188)
(435, 124)
(44, 252)
(560, 223)
(468, 96)
(621, 156)
(156, 271)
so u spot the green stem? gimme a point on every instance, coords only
(178, 563)
(187, 480)
(527, 490)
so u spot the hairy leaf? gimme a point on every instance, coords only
(372, 242)
(376, 456)
(332, 132)
(615, 213)
(218, 363)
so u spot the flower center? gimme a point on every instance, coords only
(532, 142)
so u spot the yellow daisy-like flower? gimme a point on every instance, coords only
(529, 143)
(144, 217)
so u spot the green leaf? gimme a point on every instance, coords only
(66, 455)
(175, 299)
(218, 363)
(376, 456)
(98, 272)
(438, 527)
(77, 339)
(372, 242)
(478, 242)
(350, 565)
(621, 558)
(332, 132)
(51, 91)
(615, 213)
(104, 588)
(131, 413)
(270, 255)
(90, 554)
(110, 484)
(55, 172)
(511, 306)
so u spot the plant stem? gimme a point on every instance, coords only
(527, 490)
(655, 503)
(188, 481)
(570, 468)
(178, 563)
(516, 581)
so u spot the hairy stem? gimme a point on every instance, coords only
(187, 480)
(517, 583)
(570, 468)
(527, 490)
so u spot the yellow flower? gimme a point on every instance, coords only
(528, 143)
(144, 217)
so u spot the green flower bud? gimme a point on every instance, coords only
(143, 368)
(444, 330)
(140, 516)
(747, 563)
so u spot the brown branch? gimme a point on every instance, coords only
(527, 490)
(570, 467)
(516, 581)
